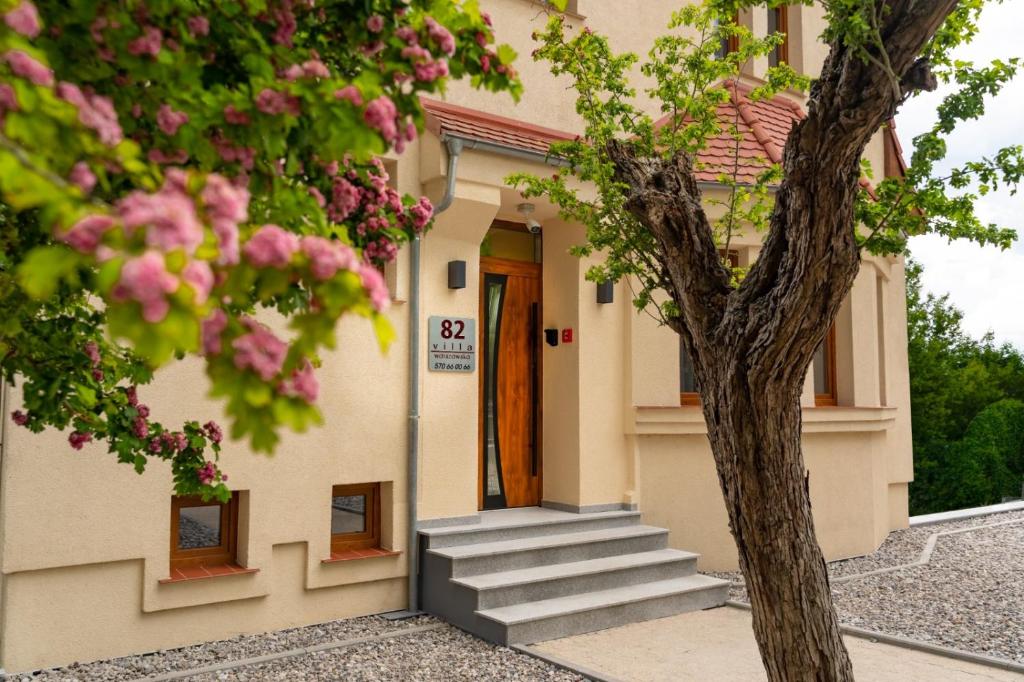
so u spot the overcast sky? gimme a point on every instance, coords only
(987, 284)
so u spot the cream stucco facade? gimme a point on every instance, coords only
(84, 541)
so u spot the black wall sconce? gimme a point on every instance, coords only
(551, 337)
(606, 291)
(456, 274)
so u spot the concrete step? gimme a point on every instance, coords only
(510, 525)
(507, 555)
(537, 621)
(558, 580)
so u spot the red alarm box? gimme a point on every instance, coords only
(567, 335)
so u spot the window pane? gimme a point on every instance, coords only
(199, 527)
(348, 514)
(687, 380)
(821, 378)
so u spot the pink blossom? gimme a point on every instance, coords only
(97, 375)
(376, 288)
(286, 24)
(82, 176)
(27, 67)
(302, 384)
(314, 68)
(344, 199)
(273, 102)
(207, 473)
(375, 24)
(140, 427)
(408, 35)
(19, 417)
(92, 351)
(213, 431)
(211, 328)
(226, 205)
(326, 257)
(440, 35)
(236, 117)
(24, 19)
(198, 26)
(94, 111)
(8, 100)
(170, 120)
(487, 18)
(170, 215)
(481, 39)
(271, 247)
(292, 73)
(132, 394)
(318, 196)
(421, 213)
(145, 279)
(77, 439)
(380, 114)
(85, 235)
(199, 276)
(148, 43)
(143, 410)
(178, 156)
(485, 63)
(430, 71)
(260, 351)
(350, 93)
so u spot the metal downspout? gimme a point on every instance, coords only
(454, 147)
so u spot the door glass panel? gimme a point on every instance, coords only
(199, 527)
(348, 514)
(495, 294)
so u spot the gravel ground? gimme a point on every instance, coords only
(970, 596)
(443, 654)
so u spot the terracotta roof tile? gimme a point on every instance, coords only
(763, 126)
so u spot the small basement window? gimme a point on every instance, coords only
(355, 516)
(203, 533)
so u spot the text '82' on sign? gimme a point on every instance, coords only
(451, 344)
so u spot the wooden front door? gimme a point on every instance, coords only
(510, 466)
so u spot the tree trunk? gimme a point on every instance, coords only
(752, 344)
(756, 445)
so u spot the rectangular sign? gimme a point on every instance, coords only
(451, 344)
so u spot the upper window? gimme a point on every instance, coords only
(730, 43)
(778, 22)
(688, 393)
(824, 367)
(203, 533)
(355, 516)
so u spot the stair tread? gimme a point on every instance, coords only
(588, 601)
(515, 522)
(524, 576)
(545, 541)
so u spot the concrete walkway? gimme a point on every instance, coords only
(718, 644)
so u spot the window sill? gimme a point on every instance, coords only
(356, 554)
(181, 575)
(686, 421)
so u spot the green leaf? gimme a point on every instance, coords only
(44, 268)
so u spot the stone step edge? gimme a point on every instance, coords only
(469, 529)
(576, 569)
(695, 583)
(485, 549)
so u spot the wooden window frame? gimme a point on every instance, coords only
(369, 538)
(220, 555)
(692, 398)
(731, 44)
(781, 53)
(828, 399)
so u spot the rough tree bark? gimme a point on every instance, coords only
(752, 344)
